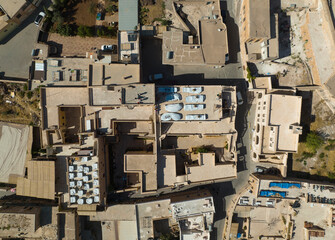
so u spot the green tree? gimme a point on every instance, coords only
(29, 94)
(57, 17)
(313, 141)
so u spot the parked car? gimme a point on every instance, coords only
(108, 47)
(260, 169)
(155, 77)
(39, 18)
(239, 98)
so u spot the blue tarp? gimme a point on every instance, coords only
(270, 193)
(284, 184)
(239, 235)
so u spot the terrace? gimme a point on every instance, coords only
(195, 103)
(83, 180)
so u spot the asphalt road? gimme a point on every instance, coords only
(15, 50)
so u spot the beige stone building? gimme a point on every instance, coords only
(259, 31)
(276, 127)
(13, 13)
(200, 37)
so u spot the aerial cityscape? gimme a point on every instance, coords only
(167, 119)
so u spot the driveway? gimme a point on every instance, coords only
(15, 51)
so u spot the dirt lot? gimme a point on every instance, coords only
(82, 15)
(148, 13)
(20, 108)
(323, 162)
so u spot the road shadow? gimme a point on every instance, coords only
(219, 191)
(233, 33)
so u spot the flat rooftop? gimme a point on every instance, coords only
(68, 71)
(214, 41)
(40, 181)
(150, 211)
(167, 166)
(126, 94)
(116, 73)
(192, 207)
(208, 169)
(128, 15)
(173, 45)
(283, 116)
(146, 166)
(12, 7)
(129, 47)
(259, 19)
(263, 83)
(13, 151)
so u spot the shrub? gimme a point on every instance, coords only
(25, 87)
(313, 141)
(29, 94)
(81, 31)
(89, 31)
(101, 32)
(331, 175)
(112, 8)
(249, 75)
(330, 147)
(21, 94)
(202, 149)
(306, 155)
(322, 155)
(65, 30)
(57, 17)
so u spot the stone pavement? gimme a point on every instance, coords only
(77, 46)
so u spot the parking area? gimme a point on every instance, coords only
(15, 50)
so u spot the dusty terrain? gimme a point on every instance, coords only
(19, 105)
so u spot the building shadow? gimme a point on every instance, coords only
(306, 119)
(284, 25)
(233, 33)
(56, 45)
(151, 59)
